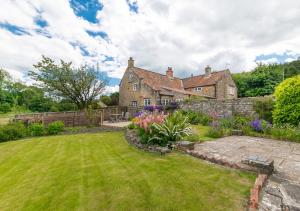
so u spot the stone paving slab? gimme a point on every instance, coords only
(283, 188)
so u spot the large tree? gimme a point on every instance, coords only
(81, 85)
(264, 78)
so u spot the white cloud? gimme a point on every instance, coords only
(111, 89)
(187, 35)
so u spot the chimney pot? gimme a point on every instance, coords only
(207, 71)
(130, 62)
(169, 72)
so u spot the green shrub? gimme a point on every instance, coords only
(286, 132)
(144, 137)
(226, 122)
(131, 126)
(174, 128)
(197, 118)
(36, 129)
(287, 103)
(55, 127)
(12, 131)
(5, 107)
(215, 132)
(241, 122)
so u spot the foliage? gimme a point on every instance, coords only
(264, 78)
(174, 128)
(287, 104)
(12, 131)
(215, 132)
(5, 107)
(286, 132)
(81, 85)
(192, 137)
(131, 126)
(110, 100)
(264, 108)
(261, 126)
(240, 121)
(55, 127)
(36, 129)
(197, 118)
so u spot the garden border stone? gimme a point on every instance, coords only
(133, 139)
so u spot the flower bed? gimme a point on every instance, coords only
(157, 128)
(242, 125)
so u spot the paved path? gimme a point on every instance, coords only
(283, 188)
(116, 124)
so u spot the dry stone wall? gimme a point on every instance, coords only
(224, 108)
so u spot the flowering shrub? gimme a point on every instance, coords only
(158, 128)
(153, 108)
(261, 126)
(145, 120)
(174, 128)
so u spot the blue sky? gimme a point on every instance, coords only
(186, 35)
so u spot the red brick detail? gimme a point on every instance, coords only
(254, 194)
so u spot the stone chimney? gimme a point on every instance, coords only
(169, 72)
(130, 62)
(207, 71)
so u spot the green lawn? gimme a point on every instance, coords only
(201, 131)
(102, 172)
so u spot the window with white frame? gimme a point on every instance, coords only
(130, 76)
(147, 101)
(134, 103)
(231, 90)
(165, 101)
(134, 87)
(198, 89)
(179, 100)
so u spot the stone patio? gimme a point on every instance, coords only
(282, 191)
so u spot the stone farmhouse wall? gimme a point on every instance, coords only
(223, 108)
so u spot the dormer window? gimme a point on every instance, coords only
(130, 76)
(134, 87)
(198, 89)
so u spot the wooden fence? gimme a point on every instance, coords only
(70, 118)
(78, 118)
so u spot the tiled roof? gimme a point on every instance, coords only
(186, 92)
(157, 80)
(164, 84)
(201, 80)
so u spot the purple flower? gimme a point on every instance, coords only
(152, 108)
(139, 113)
(257, 125)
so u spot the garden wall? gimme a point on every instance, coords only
(223, 108)
(70, 118)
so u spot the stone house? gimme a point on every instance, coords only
(140, 87)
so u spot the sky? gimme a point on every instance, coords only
(185, 35)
